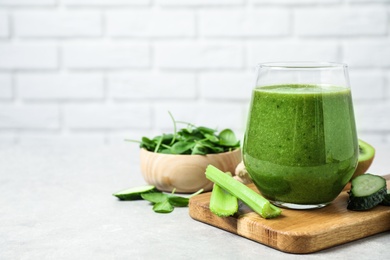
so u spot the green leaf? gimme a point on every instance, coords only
(199, 149)
(163, 207)
(147, 144)
(155, 197)
(212, 138)
(134, 193)
(181, 147)
(228, 138)
(211, 146)
(165, 151)
(158, 143)
(191, 140)
(206, 130)
(178, 201)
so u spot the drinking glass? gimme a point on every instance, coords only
(300, 145)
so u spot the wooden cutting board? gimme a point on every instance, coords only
(298, 231)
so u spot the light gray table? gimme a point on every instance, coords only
(56, 203)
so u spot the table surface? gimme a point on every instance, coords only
(56, 203)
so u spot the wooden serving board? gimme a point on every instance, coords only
(298, 231)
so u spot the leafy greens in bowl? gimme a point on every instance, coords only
(191, 140)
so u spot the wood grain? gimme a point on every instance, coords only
(298, 231)
(184, 173)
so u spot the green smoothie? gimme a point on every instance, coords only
(300, 144)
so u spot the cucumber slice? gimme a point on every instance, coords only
(367, 191)
(386, 200)
(134, 193)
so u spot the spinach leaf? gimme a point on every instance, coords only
(182, 147)
(155, 197)
(227, 138)
(163, 207)
(179, 201)
(191, 140)
(164, 202)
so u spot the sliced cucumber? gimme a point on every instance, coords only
(367, 191)
(134, 193)
(386, 200)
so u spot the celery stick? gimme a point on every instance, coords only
(254, 200)
(222, 203)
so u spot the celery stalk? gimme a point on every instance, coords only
(255, 201)
(222, 203)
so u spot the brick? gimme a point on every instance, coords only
(7, 139)
(340, 21)
(367, 85)
(199, 56)
(242, 23)
(368, 1)
(27, 2)
(105, 2)
(372, 116)
(199, 2)
(119, 138)
(57, 23)
(60, 86)
(218, 115)
(109, 116)
(259, 52)
(387, 85)
(106, 56)
(43, 138)
(296, 2)
(6, 91)
(28, 56)
(147, 85)
(149, 23)
(32, 116)
(4, 25)
(226, 86)
(368, 53)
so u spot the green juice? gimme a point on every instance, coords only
(300, 144)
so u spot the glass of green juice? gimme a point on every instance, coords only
(300, 146)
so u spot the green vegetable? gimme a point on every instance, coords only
(191, 140)
(222, 203)
(163, 207)
(254, 200)
(134, 193)
(367, 191)
(386, 200)
(165, 203)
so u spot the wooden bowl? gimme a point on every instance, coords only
(185, 173)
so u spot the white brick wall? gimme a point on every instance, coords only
(54, 86)
(50, 23)
(29, 56)
(172, 55)
(29, 116)
(4, 24)
(244, 22)
(99, 71)
(105, 55)
(155, 86)
(5, 86)
(150, 23)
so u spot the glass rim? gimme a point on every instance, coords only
(302, 65)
